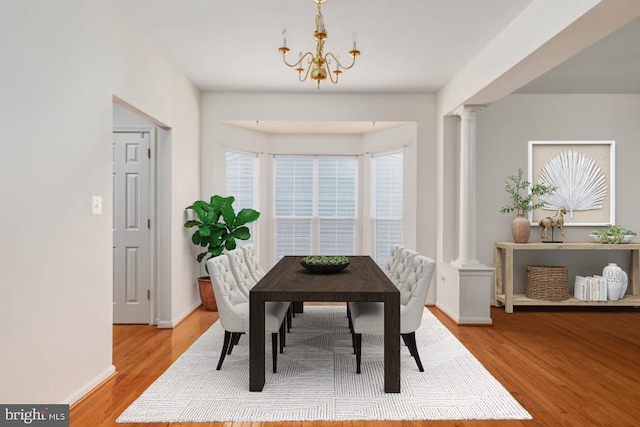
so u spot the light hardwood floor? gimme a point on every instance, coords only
(567, 367)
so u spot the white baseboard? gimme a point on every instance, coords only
(475, 321)
(465, 320)
(85, 389)
(170, 324)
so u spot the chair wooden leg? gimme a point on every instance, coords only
(274, 350)
(349, 317)
(358, 342)
(404, 339)
(235, 338)
(225, 348)
(283, 335)
(410, 339)
(289, 317)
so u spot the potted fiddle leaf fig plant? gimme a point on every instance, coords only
(216, 229)
(522, 194)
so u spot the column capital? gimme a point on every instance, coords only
(468, 109)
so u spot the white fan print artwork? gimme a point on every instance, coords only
(579, 181)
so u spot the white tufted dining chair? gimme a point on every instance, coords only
(368, 317)
(393, 260)
(251, 257)
(402, 265)
(240, 270)
(246, 281)
(233, 310)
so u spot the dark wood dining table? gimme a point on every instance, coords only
(288, 281)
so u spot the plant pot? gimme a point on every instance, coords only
(206, 293)
(520, 228)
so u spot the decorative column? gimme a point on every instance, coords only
(464, 286)
(467, 188)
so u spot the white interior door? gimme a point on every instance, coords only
(131, 227)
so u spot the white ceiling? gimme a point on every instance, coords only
(408, 46)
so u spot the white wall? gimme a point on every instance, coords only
(67, 59)
(504, 129)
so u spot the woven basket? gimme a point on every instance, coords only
(548, 282)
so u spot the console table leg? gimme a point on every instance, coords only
(508, 296)
(498, 265)
(633, 273)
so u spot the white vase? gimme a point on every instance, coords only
(617, 281)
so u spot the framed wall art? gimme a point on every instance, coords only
(583, 173)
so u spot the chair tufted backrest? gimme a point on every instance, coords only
(240, 270)
(228, 296)
(413, 291)
(394, 258)
(402, 267)
(251, 257)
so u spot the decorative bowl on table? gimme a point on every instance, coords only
(325, 264)
(615, 234)
(610, 239)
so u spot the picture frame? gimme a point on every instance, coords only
(583, 173)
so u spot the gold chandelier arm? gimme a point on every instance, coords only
(306, 74)
(335, 73)
(298, 62)
(353, 62)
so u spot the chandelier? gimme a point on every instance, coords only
(318, 65)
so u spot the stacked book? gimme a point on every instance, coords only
(590, 288)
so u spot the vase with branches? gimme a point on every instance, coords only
(523, 200)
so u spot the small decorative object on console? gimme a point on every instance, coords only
(617, 281)
(615, 234)
(325, 263)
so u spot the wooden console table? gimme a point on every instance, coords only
(503, 262)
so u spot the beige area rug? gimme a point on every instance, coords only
(316, 380)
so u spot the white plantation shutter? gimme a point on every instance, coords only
(294, 186)
(315, 205)
(241, 183)
(337, 205)
(386, 212)
(293, 237)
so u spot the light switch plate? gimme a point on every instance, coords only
(96, 205)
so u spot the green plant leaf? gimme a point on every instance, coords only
(241, 233)
(201, 256)
(229, 242)
(191, 223)
(229, 214)
(196, 238)
(217, 233)
(217, 250)
(199, 210)
(204, 231)
(218, 201)
(245, 216)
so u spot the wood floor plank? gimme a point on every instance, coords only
(567, 367)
